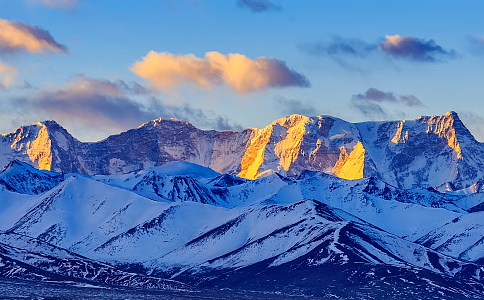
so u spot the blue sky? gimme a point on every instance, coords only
(101, 67)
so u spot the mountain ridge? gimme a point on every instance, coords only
(426, 152)
(275, 233)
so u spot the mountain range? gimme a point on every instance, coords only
(305, 206)
(426, 152)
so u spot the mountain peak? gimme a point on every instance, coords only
(436, 149)
(451, 114)
(291, 120)
(22, 178)
(158, 121)
(448, 115)
(14, 164)
(49, 123)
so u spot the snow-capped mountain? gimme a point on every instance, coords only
(305, 205)
(22, 257)
(23, 178)
(190, 225)
(462, 238)
(425, 152)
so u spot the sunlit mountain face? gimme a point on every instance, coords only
(307, 206)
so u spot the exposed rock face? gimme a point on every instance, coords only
(46, 145)
(428, 151)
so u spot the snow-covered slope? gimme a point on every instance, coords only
(173, 182)
(23, 178)
(114, 225)
(428, 151)
(32, 259)
(425, 152)
(280, 234)
(462, 238)
(185, 222)
(407, 213)
(80, 213)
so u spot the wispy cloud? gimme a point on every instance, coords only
(370, 103)
(378, 96)
(294, 106)
(7, 74)
(370, 110)
(259, 5)
(62, 4)
(166, 70)
(408, 47)
(103, 106)
(340, 46)
(395, 46)
(88, 86)
(477, 44)
(19, 37)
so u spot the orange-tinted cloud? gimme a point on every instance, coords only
(18, 37)
(166, 70)
(7, 74)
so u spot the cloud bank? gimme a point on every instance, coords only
(93, 101)
(106, 107)
(165, 70)
(259, 5)
(19, 37)
(394, 46)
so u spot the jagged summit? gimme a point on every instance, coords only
(156, 122)
(451, 113)
(49, 123)
(425, 152)
(294, 118)
(298, 118)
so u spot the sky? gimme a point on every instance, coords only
(102, 67)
